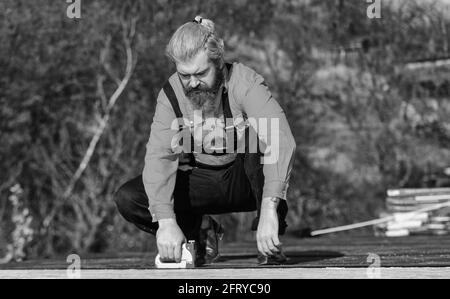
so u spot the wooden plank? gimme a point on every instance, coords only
(324, 252)
(288, 273)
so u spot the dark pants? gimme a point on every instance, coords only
(201, 191)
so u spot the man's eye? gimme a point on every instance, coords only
(183, 76)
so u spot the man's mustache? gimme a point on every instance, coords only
(197, 90)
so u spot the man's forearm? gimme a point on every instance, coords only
(161, 211)
(161, 163)
(270, 203)
(166, 222)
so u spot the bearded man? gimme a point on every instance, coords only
(219, 167)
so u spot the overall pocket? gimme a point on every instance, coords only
(236, 188)
(221, 191)
(206, 196)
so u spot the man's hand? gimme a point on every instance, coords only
(169, 239)
(267, 233)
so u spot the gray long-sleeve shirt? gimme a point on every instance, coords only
(248, 95)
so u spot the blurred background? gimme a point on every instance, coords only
(367, 100)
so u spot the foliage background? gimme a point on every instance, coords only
(364, 119)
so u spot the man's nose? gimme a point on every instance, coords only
(194, 82)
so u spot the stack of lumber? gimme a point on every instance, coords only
(422, 211)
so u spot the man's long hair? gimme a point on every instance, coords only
(191, 37)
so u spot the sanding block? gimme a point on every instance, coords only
(187, 258)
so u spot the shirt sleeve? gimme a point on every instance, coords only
(161, 162)
(259, 105)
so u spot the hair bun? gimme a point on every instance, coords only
(204, 22)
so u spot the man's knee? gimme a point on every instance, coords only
(124, 199)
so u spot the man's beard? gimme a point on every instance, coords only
(204, 98)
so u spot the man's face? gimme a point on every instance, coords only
(201, 81)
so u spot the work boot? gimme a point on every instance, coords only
(211, 233)
(199, 256)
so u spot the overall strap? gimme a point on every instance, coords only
(226, 105)
(170, 93)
